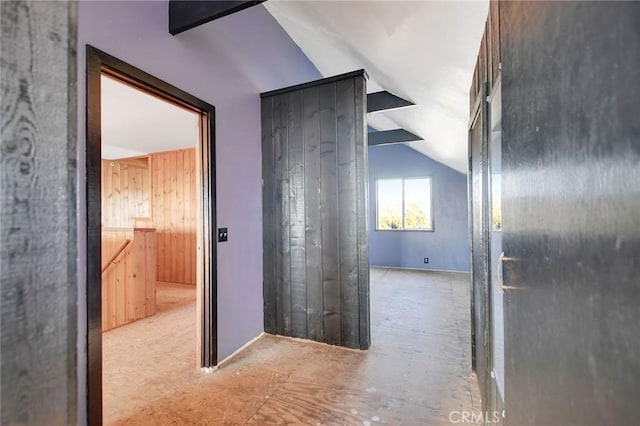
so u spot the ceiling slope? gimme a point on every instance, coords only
(422, 51)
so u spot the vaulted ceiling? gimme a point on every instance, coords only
(423, 51)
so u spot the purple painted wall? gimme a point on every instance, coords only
(447, 246)
(227, 63)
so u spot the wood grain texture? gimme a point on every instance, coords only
(313, 223)
(479, 243)
(347, 212)
(414, 375)
(268, 217)
(38, 236)
(174, 214)
(126, 192)
(329, 217)
(488, 30)
(571, 126)
(283, 255)
(319, 227)
(473, 90)
(297, 216)
(362, 201)
(494, 17)
(128, 284)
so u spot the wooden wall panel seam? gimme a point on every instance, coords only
(174, 214)
(321, 258)
(268, 224)
(329, 205)
(296, 216)
(313, 223)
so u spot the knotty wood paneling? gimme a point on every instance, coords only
(38, 241)
(126, 191)
(128, 284)
(316, 268)
(174, 214)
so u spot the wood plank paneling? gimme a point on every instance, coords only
(283, 259)
(296, 217)
(125, 191)
(494, 16)
(174, 214)
(313, 223)
(489, 52)
(473, 90)
(479, 271)
(150, 242)
(128, 284)
(268, 217)
(315, 184)
(38, 213)
(362, 201)
(329, 218)
(347, 212)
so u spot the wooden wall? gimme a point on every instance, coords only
(174, 214)
(126, 191)
(571, 212)
(316, 268)
(486, 75)
(129, 283)
(38, 241)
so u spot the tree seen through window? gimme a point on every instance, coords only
(404, 204)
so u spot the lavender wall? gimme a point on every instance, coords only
(447, 246)
(226, 63)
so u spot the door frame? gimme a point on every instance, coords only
(480, 284)
(496, 403)
(99, 62)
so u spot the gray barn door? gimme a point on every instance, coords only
(315, 226)
(571, 212)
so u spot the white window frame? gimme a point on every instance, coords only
(403, 179)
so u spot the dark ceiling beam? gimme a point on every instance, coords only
(382, 101)
(392, 136)
(187, 14)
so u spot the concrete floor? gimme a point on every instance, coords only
(416, 372)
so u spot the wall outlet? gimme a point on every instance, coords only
(426, 260)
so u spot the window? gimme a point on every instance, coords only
(404, 204)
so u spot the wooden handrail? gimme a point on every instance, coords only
(115, 256)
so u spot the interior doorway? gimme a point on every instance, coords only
(132, 295)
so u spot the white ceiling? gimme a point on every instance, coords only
(135, 123)
(422, 51)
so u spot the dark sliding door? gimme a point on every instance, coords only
(315, 230)
(571, 212)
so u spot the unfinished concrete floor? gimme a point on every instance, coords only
(416, 372)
